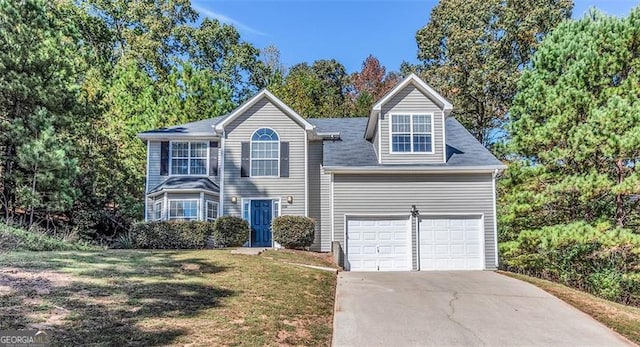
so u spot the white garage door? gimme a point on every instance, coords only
(378, 244)
(451, 243)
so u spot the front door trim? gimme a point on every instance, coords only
(276, 210)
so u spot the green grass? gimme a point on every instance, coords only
(14, 239)
(623, 319)
(207, 297)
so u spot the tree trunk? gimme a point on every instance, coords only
(620, 214)
(33, 193)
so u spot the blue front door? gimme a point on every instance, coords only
(261, 223)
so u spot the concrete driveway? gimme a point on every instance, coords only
(475, 308)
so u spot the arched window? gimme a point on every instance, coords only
(265, 153)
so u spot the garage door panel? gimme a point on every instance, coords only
(450, 243)
(378, 244)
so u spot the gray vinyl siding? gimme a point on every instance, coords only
(315, 209)
(411, 100)
(154, 162)
(443, 194)
(154, 177)
(325, 203)
(264, 114)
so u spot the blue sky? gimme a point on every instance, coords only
(348, 31)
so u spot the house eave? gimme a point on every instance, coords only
(413, 169)
(172, 136)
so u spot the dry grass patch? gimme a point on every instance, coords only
(208, 297)
(623, 319)
(300, 257)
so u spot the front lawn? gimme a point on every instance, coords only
(623, 319)
(207, 297)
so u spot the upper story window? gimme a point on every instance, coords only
(411, 133)
(265, 153)
(189, 158)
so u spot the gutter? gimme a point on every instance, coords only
(493, 169)
(162, 136)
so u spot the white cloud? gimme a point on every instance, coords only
(227, 20)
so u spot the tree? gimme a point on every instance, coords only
(38, 106)
(370, 85)
(318, 90)
(473, 51)
(575, 128)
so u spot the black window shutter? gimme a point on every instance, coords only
(284, 159)
(213, 158)
(245, 160)
(164, 158)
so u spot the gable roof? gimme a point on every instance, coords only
(219, 126)
(417, 82)
(355, 152)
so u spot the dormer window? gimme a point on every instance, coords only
(265, 153)
(411, 133)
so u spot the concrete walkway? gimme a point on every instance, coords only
(477, 308)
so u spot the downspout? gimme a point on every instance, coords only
(495, 217)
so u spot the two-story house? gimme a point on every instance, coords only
(407, 188)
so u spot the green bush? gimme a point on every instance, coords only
(599, 259)
(171, 235)
(293, 231)
(15, 239)
(230, 231)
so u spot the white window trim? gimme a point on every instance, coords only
(157, 207)
(206, 174)
(251, 154)
(198, 214)
(206, 210)
(411, 114)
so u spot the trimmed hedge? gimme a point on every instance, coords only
(294, 231)
(599, 259)
(171, 235)
(230, 231)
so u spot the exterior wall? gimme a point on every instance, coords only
(154, 162)
(325, 206)
(314, 200)
(202, 197)
(432, 194)
(264, 114)
(411, 100)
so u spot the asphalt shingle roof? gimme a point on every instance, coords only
(197, 127)
(353, 150)
(186, 182)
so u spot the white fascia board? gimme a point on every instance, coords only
(435, 169)
(182, 191)
(447, 107)
(174, 136)
(262, 94)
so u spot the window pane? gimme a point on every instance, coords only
(401, 143)
(179, 149)
(401, 123)
(199, 149)
(212, 210)
(264, 134)
(198, 166)
(187, 209)
(245, 211)
(179, 166)
(264, 167)
(422, 143)
(158, 211)
(264, 150)
(421, 124)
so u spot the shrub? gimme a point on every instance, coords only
(294, 231)
(230, 231)
(599, 259)
(171, 235)
(15, 239)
